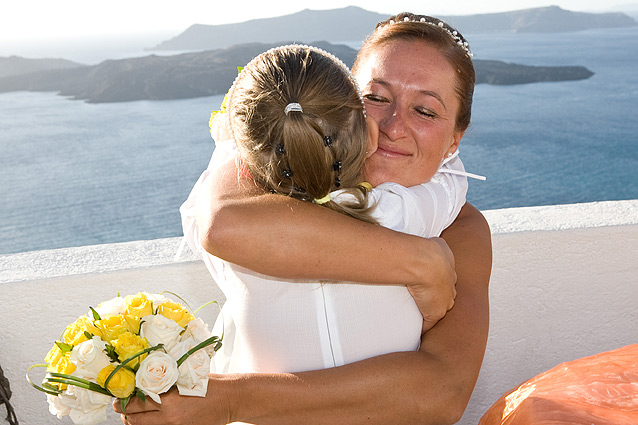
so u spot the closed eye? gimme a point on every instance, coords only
(426, 112)
(375, 98)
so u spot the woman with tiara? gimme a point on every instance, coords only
(417, 80)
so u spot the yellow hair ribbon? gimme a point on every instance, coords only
(323, 200)
(367, 186)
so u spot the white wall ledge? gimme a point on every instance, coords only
(44, 264)
(562, 217)
(564, 285)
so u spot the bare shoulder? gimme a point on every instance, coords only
(470, 226)
(470, 240)
(470, 217)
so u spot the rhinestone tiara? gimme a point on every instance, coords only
(454, 34)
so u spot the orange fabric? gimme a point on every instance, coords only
(598, 390)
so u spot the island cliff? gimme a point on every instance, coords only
(353, 23)
(212, 72)
(216, 51)
(15, 65)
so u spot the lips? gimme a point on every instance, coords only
(392, 152)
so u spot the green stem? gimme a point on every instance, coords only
(38, 387)
(78, 383)
(203, 344)
(206, 305)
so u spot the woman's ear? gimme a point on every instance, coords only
(454, 145)
(373, 137)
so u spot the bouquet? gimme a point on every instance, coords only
(135, 346)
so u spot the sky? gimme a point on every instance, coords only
(46, 20)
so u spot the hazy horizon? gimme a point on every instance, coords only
(80, 19)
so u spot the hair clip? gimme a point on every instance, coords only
(279, 149)
(336, 166)
(337, 182)
(293, 106)
(287, 173)
(327, 141)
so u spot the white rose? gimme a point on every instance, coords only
(158, 329)
(57, 407)
(90, 358)
(92, 417)
(193, 373)
(156, 375)
(87, 407)
(157, 299)
(111, 307)
(180, 348)
(198, 330)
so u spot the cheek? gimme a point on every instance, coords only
(433, 148)
(371, 171)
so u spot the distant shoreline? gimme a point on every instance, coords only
(208, 73)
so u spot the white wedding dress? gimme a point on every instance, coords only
(279, 325)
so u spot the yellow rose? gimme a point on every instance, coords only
(54, 355)
(129, 344)
(63, 365)
(59, 362)
(121, 385)
(112, 326)
(74, 333)
(138, 305)
(133, 323)
(175, 311)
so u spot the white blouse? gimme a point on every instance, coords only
(280, 325)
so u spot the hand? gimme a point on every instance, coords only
(435, 295)
(174, 410)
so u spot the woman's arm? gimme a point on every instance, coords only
(284, 237)
(430, 386)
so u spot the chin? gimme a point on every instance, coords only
(377, 179)
(375, 173)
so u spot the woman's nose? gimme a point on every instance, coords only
(393, 125)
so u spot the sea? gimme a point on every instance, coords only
(74, 173)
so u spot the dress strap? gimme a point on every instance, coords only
(458, 172)
(463, 173)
